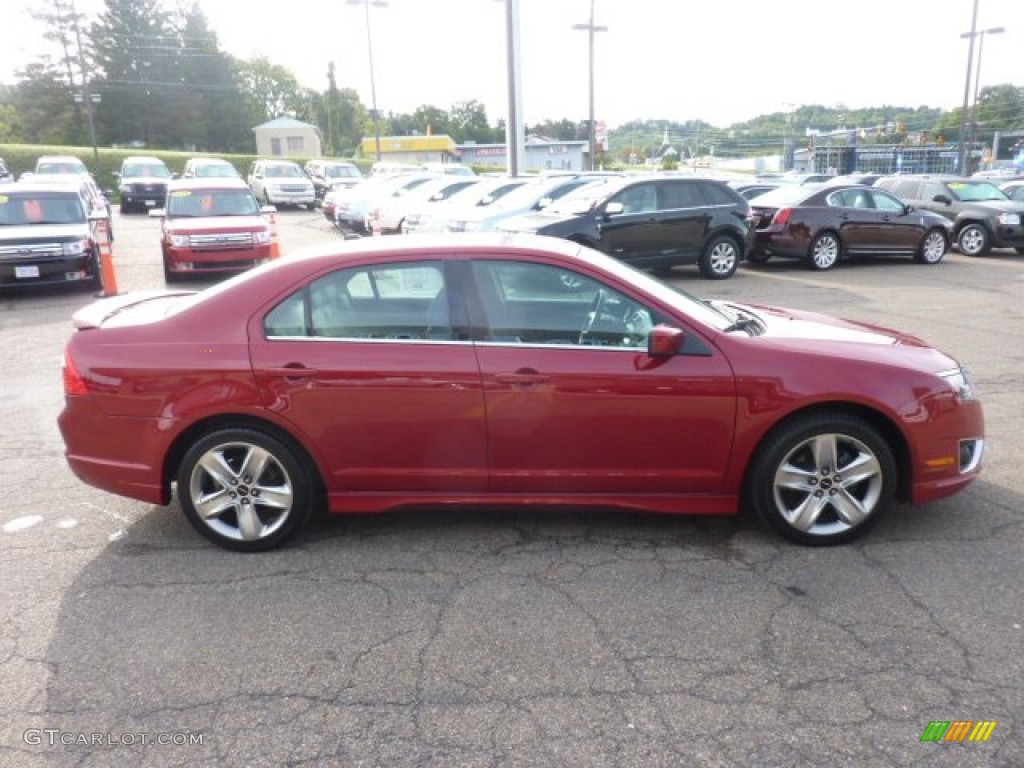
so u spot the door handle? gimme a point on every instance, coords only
(523, 378)
(291, 371)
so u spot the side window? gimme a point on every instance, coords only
(718, 194)
(850, 198)
(931, 189)
(679, 194)
(538, 304)
(641, 198)
(394, 301)
(886, 202)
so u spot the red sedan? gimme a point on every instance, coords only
(374, 374)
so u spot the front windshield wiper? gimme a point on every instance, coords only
(744, 324)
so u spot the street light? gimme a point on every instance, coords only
(591, 28)
(977, 75)
(961, 157)
(369, 52)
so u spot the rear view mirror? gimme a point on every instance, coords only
(664, 341)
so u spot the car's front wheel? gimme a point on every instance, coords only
(973, 240)
(824, 251)
(933, 247)
(823, 479)
(244, 489)
(720, 258)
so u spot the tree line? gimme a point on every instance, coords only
(163, 81)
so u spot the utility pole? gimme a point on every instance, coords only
(591, 28)
(961, 156)
(87, 97)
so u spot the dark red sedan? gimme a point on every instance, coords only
(824, 225)
(375, 374)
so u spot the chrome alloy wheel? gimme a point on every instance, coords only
(828, 484)
(241, 491)
(825, 251)
(933, 248)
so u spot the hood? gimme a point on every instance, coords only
(135, 308)
(782, 323)
(1003, 206)
(533, 222)
(43, 233)
(215, 224)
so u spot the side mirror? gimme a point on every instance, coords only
(664, 341)
(613, 209)
(543, 203)
(157, 213)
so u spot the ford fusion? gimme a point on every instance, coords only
(486, 369)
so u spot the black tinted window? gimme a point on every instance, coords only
(680, 194)
(717, 194)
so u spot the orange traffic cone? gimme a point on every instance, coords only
(107, 276)
(275, 244)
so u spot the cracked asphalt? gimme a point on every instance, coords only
(502, 637)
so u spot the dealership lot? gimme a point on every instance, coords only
(518, 637)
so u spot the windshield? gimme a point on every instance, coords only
(193, 203)
(976, 191)
(214, 171)
(21, 209)
(342, 172)
(284, 172)
(65, 166)
(155, 170)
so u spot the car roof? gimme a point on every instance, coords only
(32, 186)
(207, 161)
(208, 182)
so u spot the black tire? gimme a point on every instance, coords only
(846, 507)
(719, 258)
(973, 240)
(933, 247)
(282, 477)
(825, 251)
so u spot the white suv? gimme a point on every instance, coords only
(281, 182)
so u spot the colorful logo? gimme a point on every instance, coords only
(958, 730)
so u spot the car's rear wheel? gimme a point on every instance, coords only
(244, 489)
(973, 240)
(823, 479)
(824, 251)
(720, 258)
(933, 247)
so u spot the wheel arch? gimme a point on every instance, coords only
(969, 219)
(179, 447)
(882, 423)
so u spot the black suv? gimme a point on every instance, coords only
(47, 235)
(983, 216)
(652, 222)
(142, 183)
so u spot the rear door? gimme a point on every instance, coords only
(374, 367)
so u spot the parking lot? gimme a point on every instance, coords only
(518, 637)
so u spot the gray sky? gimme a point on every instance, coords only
(718, 60)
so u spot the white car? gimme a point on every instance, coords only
(528, 198)
(480, 195)
(281, 182)
(352, 207)
(393, 212)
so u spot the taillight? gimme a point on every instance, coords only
(74, 384)
(781, 218)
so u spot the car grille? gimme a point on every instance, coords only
(294, 188)
(31, 251)
(149, 189)
(220, 242)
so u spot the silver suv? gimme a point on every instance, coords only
(281, 182)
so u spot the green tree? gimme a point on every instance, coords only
(270, 88)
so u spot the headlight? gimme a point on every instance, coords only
(76, 248)
(1009, 219)
(179, 241)
(261, 238)
(960, 381)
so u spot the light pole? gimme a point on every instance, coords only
(977, 76)
(961, 157)
(591, 28)
(369, 52)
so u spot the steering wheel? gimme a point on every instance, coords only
(592, 314)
